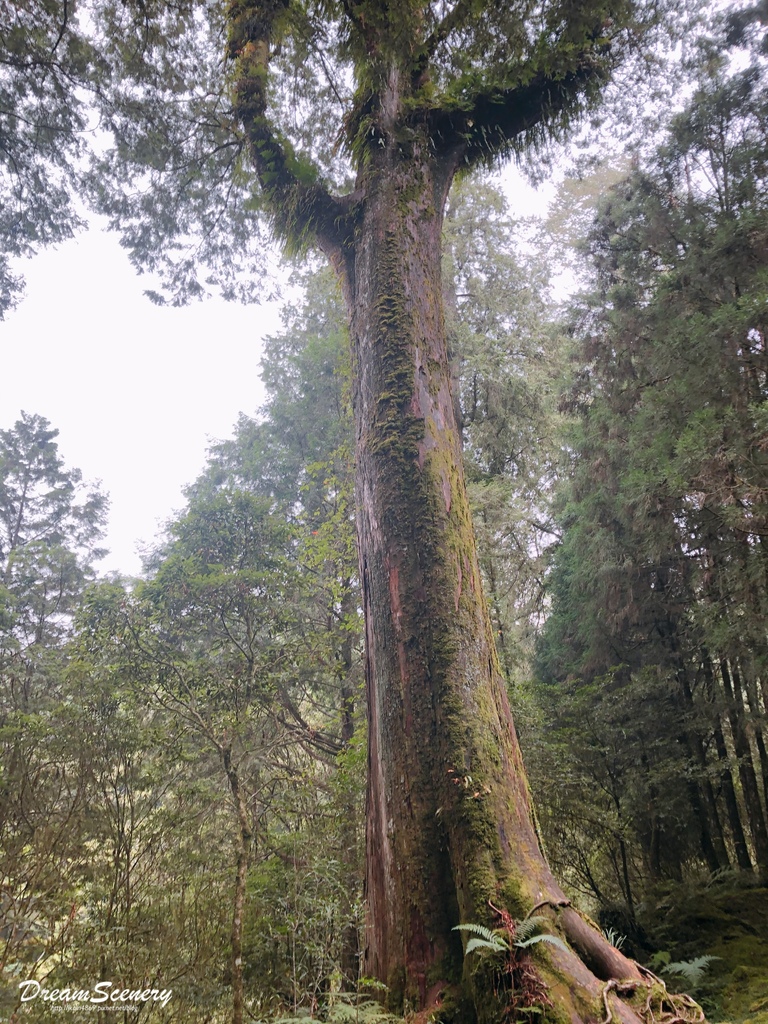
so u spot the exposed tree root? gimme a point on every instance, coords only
(605, 961)
(622, 988)
(672, 1008)
(590, 960)
(661, 1006)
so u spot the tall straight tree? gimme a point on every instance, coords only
(356, 116)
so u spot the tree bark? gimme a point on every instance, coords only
(747, 679)
(449, 823)
(731, 803)
(350, 946)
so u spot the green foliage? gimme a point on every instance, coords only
(263, 566)
(342, 1012)
(691, 971)
(506, 367)
(50, 524)
(553, 940)
(525, 935)
(720, 919)
(484, 938)
(48, 65)
(615, 939)
(227, 121)
(653, 658)
(227, 680)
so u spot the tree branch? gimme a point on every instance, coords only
(301, 208)
(366, 37)
(454, 19)
(485, 126)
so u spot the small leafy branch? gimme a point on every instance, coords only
(517, 983)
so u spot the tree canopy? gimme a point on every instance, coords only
(201, 116)
(658, 584)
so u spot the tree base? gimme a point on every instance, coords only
(553, 985)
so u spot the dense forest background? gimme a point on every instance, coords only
(182, 756)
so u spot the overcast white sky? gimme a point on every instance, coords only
(136, 391)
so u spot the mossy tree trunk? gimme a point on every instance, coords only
(449, 822)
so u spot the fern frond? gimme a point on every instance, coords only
(495, 945)
(553, 940)
(367, 1012)
(476, 929)
(692, 971)
(530, 926)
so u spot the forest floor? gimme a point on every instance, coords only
(728, 922)
(715, 934)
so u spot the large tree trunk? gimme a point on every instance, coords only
(449, 824)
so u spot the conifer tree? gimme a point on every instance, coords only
(658, 585)
(50, 525)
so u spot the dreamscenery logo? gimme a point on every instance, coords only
(101, 993)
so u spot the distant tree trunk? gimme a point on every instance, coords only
(756, 716)
(652, 843)
(726, 779)
(498, 624)
(449, 824)
(703, 819)
(245, 838)
(700, 790)
(747, 775)
(731, 803)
